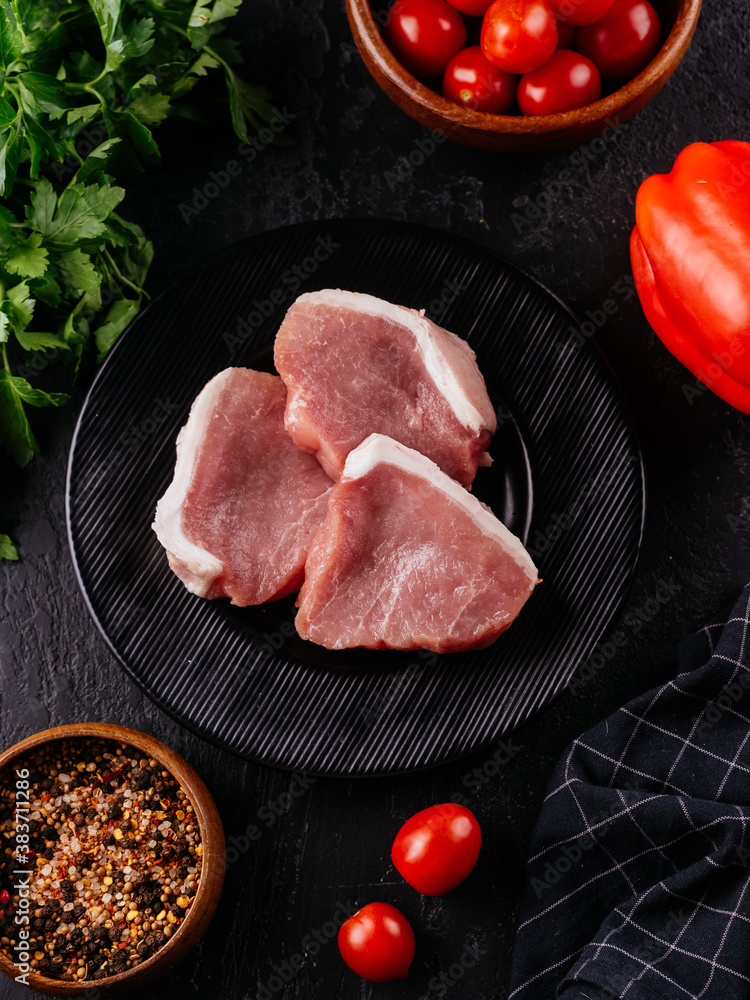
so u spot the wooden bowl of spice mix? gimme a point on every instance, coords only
(112, 859)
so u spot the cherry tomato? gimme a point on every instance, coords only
(519, 35)
(472, 81)
(623, 41)
(474, 8)
(437, 848)
(377, 943)
(566, 34)
(569, 80)
(424, 35)
(579, 11)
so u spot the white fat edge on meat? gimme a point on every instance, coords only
(425, 334)
(377, 449)
(200, 564)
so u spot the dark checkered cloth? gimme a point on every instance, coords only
(639, 874)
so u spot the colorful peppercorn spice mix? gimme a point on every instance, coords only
(111, 847)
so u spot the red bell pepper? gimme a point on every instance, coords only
(690, 252)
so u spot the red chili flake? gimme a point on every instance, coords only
(4, 897)
(113, 774)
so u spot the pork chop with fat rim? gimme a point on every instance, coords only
(355, 365)
(245, 502)
(407, 558)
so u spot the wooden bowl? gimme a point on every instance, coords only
(517, 134)
(212, 872)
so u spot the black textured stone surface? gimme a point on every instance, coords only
(329, 846)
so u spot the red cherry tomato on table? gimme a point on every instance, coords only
(437, 848)
(566, 34)
(518, 35)
(377, 943)
(623, 41)
(473, 82)
(424, 35)
(568, 81)
(579, 11)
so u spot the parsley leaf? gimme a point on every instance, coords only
(21, 305)
(78, 215)
(39, 341)
(28, 258)
(118, 317)
(77, 271)
(7, 548)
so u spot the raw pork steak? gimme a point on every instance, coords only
(354, 365)
(244, 503)
(407, 558)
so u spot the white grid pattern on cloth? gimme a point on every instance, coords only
(691, 940)
(635, 857)
(685, 744)
(637, 726)
(724, 936)
(671, 946)
(712, 909)
(646, 835)
(686, 951)
(646, 965)
(595, 826)
(691, 821)
(616, 864)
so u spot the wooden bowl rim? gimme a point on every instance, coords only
(212, 839)
(669, 55)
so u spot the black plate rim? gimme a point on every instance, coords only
(353, 223)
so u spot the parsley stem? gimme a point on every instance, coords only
(79, 305)
(204, 48)
(121, 276)
(97, 78)
(88, 88)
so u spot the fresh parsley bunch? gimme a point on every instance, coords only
(82, 84)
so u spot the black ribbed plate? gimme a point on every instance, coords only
(240, 676)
